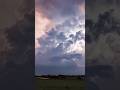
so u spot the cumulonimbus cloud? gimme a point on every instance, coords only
(60, 37)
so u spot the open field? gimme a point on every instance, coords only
(59, 84)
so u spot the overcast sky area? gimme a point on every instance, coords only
(59, 37)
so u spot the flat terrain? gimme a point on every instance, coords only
(59, 84)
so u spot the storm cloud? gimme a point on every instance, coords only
(61, 48)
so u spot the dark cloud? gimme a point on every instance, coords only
(94, 8)
(16, 11)
(17, 54)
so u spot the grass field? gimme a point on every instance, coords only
(59, 84)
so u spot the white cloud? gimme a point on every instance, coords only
(63, 44)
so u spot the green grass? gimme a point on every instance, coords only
(59, 84)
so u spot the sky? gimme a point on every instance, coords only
(100, 6)
(16, 11)
(59, 37)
